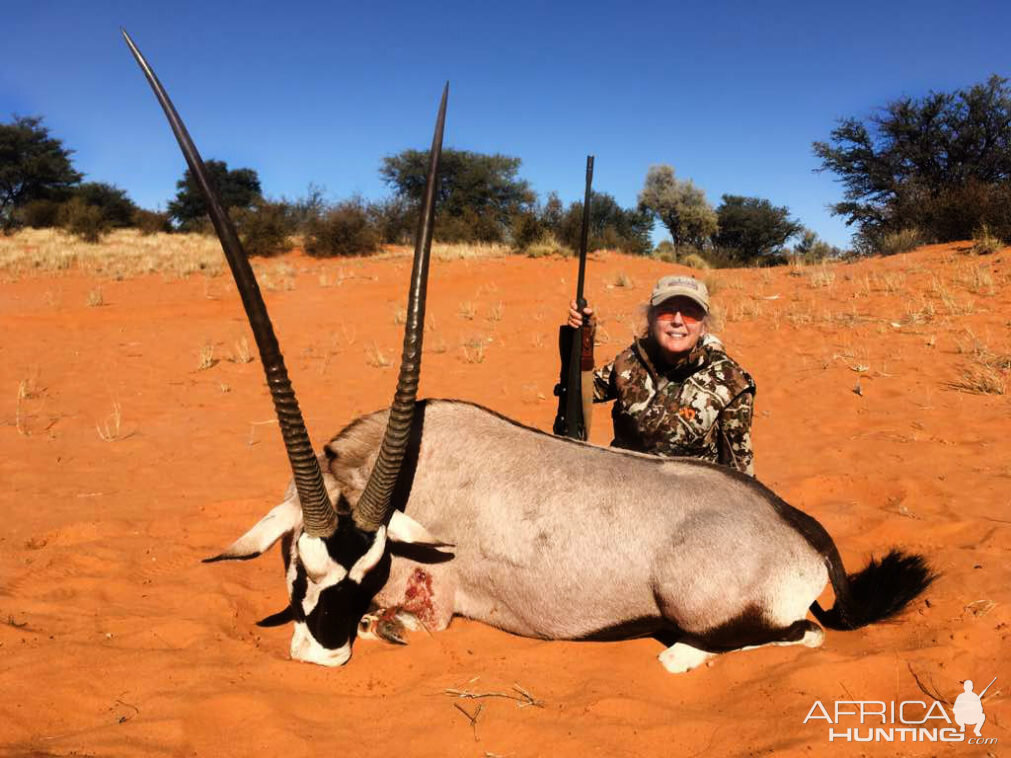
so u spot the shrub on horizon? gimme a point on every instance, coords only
(82, 220)
(265, 229)
(151, 222)
(344, 230)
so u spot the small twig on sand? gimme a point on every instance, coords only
(528, 698)
(923, 687)
(136, 711)
(523, 699)
(472, 719)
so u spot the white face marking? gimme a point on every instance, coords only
(304, 647)
(321, 570)
(368, 561)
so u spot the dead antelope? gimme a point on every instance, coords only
(441, 507)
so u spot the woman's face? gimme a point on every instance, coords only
(677, 326)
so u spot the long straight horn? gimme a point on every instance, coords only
(373, 507)
(318, 514)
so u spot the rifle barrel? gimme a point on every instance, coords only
(584, 235)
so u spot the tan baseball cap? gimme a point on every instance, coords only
(680, 286)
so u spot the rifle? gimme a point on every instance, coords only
(987, 687)
(575, 383)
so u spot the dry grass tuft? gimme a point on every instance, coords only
(744, 309)
(375, 357)
(110, 429)
(887, 281)
(984, 242)
(696, 261)
(980, 380)
(279, 276)
(95, 298)
(821, 276)
(987, 372)
(206, 359)
(240, 352)
(19, 414)
(548, 246)
(473, 350)
(921, 311)
(621, 279)
(467, 310)
(901, 242)
(977, 279)
(496, 312)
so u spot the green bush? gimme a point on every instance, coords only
(82, 220)
(527, 230)
(265, 229)
(40, 214)
(345, 229)
(116, 207)
(151, 222)
(468, 226)
(395, 220)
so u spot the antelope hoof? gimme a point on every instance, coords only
(681, 658)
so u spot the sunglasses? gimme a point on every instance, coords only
(690, 314)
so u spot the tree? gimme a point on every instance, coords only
(238, 188)
(33, 166)
(478, 194)
(812, 248)
(116, 207)
(611, 226)
(679, 205)
(941, 163)
(753, 227)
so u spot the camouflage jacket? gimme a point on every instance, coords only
(700, 408)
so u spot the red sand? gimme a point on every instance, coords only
(116, 640)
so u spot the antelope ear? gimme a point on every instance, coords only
(268, 530)
(405, 529)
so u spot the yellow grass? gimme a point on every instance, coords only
(122, 253)
(126, 252)
(451, 251)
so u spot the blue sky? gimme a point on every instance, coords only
(730, 93)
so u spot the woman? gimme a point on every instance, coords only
(675, 391)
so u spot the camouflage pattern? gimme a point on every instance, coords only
(700, 408)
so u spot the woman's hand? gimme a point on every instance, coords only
(575, 321)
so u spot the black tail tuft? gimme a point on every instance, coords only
(878, 592)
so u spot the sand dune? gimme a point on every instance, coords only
(124, 463)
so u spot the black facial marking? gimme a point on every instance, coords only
(334, 619)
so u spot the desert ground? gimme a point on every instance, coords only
(137, 437)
